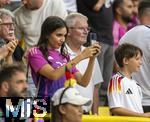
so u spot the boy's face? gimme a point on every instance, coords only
(134, 63)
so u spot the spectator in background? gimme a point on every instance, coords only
(4, 2)
(123, 13)
(67, 105)
(140, 36)
(77, 36)
(50, 60)
(71, 5)
(13, 87)
(14, 4)
(124, 93)
(135, 7)
(135, 20)
(99, 14)
(13, 81)
(7, 35)
(144, 12)
(32, 14)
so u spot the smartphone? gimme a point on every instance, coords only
(93, 38)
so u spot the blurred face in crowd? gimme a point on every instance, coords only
(7, 28)
(79, 31)
(4, 2)
(127, 10)
(135, 7)
(32, 4)
(17, 87)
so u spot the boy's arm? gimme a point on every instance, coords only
(125, 112)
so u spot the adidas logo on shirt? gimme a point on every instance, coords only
(129, 91)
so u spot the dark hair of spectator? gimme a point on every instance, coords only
(50, 25)
(126, 51)
(144, 7)
(8, 71)
(116, 4)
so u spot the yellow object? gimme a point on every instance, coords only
(97, 118)
(103, 111)
(94, 118)
(41, 115)
(70, 82)
(23, 44)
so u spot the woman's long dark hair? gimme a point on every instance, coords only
(51, 24)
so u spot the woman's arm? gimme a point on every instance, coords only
(48, 71)
(84, 80)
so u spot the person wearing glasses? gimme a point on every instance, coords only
(67, 105)
(50, 59)
(7, 36)
(77, 36)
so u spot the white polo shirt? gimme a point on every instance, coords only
(29, 22)
(95, 79)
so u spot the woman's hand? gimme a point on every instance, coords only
(97, 46)
(91, 51)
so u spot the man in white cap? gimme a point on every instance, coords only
(67, 105)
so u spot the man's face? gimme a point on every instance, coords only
(31, 4)
(4, 2)
(135, 6)
(127, 11)
(18, 85)
(7, 28)
(79, 32)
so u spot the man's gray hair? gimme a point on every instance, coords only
(5, 12)
(71, 18)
